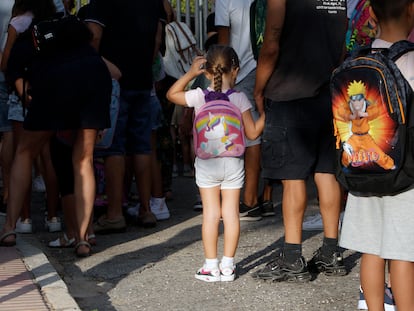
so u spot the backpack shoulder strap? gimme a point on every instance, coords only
(213, 95)
(400, 48)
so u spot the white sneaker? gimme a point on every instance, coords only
(205, 275)
(313, 223)
(53, 225)
(227, 274)
(159, 208)
(24, 226)
(133, 210)
(38, 185)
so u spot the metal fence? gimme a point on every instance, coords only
(194, 13)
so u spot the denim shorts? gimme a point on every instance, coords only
(156, 113)
(15, 108)
(5, 124)
(134, 125)
(298, 138)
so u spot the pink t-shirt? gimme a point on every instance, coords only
(195, 98)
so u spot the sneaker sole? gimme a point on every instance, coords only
(207, 278)
(294, 278)
(266, 214)
(227, 278)
(330, 271)
(298, 277)
(164, 216)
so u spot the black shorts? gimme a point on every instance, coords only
(298, 138)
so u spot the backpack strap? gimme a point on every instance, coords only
(400, 48)
(394, 52)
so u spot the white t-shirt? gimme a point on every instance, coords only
(196, 98)
(5, 14)
(236, 15)
(22, 22)
(405, 63)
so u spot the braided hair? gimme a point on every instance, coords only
(221, 59)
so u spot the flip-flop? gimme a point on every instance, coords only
(83, 243)
(5, 235)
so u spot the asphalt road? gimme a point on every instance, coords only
(153, 269)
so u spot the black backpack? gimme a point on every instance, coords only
(257, 25)
(60, 33)
(374, 122)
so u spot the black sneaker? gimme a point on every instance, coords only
(249, 213)
(332, 265)
(278, 270)
(267, 209)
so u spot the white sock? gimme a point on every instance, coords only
(227, 261)
(211, 263)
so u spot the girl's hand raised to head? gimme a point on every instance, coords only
(198, 66)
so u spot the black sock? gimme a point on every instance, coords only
(292, 252)
(329, 246)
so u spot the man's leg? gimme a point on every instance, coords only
(293, 206)
(329, 193)
(328, 258)
(290, 265)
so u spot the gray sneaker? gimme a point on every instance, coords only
(279, 270)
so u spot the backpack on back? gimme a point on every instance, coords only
(257, 25)
(374, 122)
(180, 49)
(218, 128)
(59, 34)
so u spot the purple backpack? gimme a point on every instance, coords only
(218, 127)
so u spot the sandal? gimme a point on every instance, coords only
(91, 239)
(62, 242)
(5, 235)
(83, 243)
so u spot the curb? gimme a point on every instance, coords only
(52, 287)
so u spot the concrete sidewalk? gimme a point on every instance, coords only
(153, 269)
(29, 282)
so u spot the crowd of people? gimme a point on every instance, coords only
(55, 104)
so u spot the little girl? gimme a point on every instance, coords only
(219, 178)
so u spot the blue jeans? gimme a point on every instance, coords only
(134, 125)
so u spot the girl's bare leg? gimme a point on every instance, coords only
(211, 220)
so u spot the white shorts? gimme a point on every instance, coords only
(381, 226)
(226, 172)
